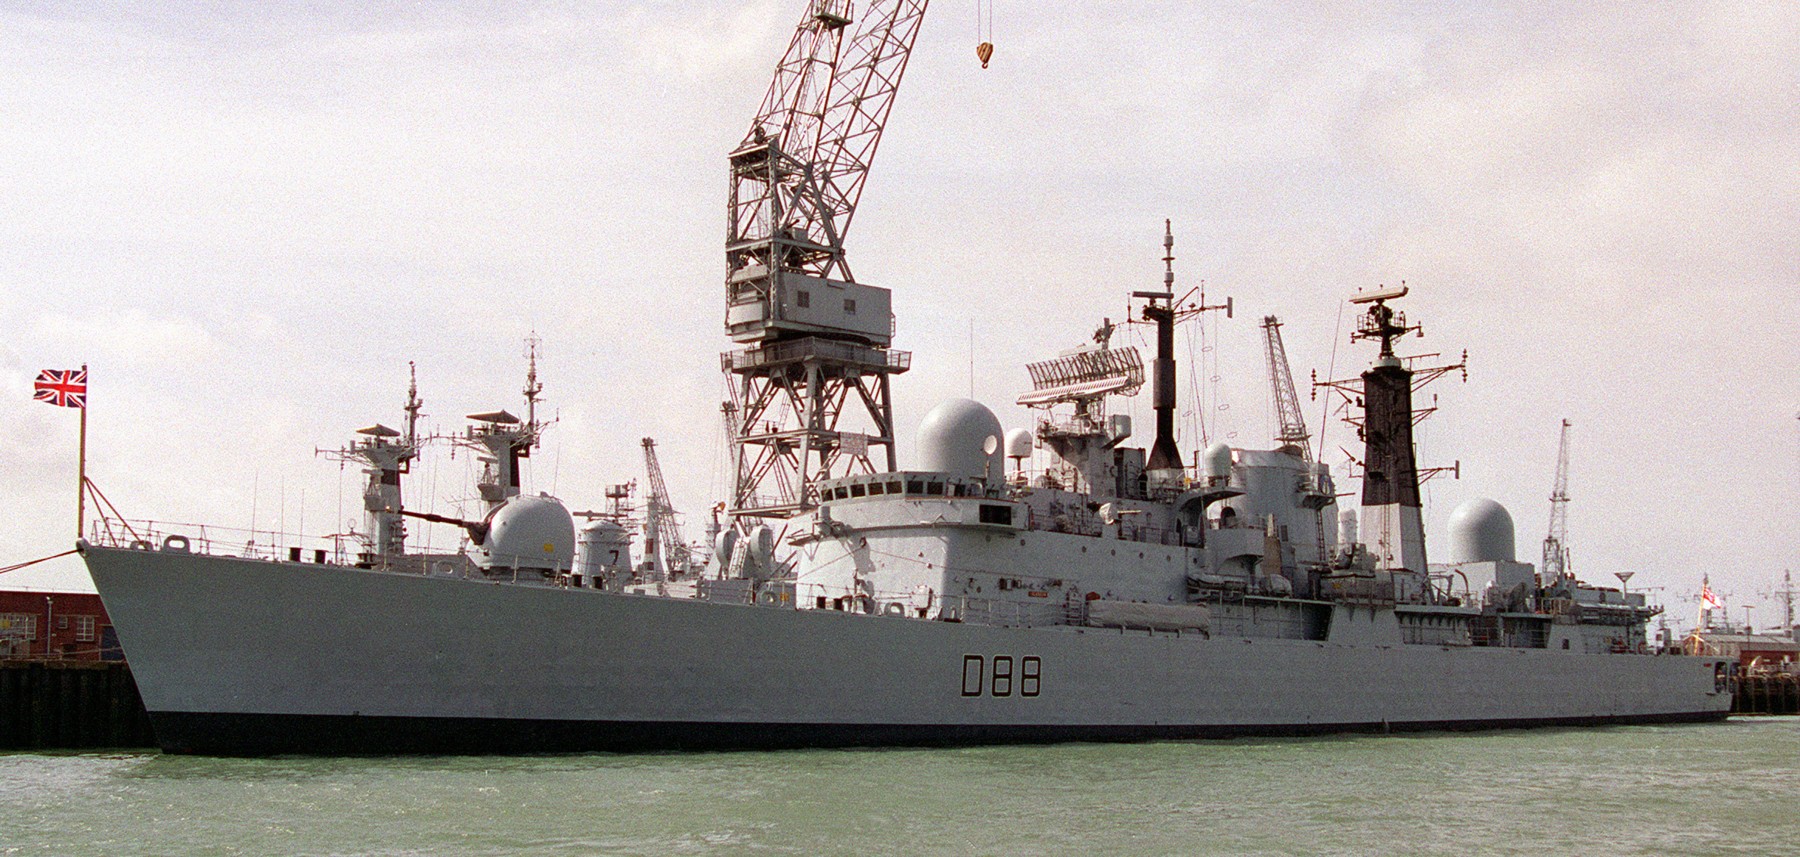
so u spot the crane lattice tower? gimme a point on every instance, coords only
(816, 360)
(1556, 544)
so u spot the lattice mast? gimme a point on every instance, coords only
(817, 340)
(1556, 544)
(1291, 429)
(665, 548)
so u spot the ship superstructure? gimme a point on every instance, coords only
(1239, 546)
(1087, 597)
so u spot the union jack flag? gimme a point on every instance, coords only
(64, 388)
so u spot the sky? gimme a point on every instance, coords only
(247, 219)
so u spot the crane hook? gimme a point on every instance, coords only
(984, 30)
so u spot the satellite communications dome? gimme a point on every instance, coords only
(529, 532)
(1018, 443)
(1481, 530)
(1216, 461)
(962, 437)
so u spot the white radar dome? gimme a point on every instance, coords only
(962, 437)
(1216, 461)
(1018, 443)
(529, 532)
(1481, 530)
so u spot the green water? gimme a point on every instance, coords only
(1732, 788)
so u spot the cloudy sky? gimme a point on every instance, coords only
(247, 218)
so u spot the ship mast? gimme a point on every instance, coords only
(1163, 471)
(500, 439)
(1164, 465)
(1390, 497)
(385, 455)
(1392, 507)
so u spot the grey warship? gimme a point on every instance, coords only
(1101, 600)
(1104, 591)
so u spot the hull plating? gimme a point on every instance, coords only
(244, 656)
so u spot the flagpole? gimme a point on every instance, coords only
(81, 470)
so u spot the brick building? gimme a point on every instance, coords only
(1768, 652)
(56, 626)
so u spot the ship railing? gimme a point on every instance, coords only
(1004, 614)
(813, 348)
(1074, 519)
(1499, 632)
(1083, 522)
(1069, 428)
(1149, 535)
(212, 540)
(820, 596)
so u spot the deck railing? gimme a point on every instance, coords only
(335, 548)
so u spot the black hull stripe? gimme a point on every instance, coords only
(214, 734)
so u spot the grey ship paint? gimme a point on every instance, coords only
(944, 605)
(1106, 595)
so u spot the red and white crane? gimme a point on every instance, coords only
(816, 341)
(664, 548)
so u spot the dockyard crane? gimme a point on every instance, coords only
(1291, 429)
(1556, 548)
(816, 339)
(1291, 433)
(665, 549)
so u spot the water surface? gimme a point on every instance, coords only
(1724, 789)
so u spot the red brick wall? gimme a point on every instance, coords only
(56, 626)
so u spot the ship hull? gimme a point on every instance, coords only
(239, 656)
(237, 734)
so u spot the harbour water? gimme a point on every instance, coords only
(1725, 789)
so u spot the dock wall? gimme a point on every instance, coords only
(64, 704)
(1767, 694)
